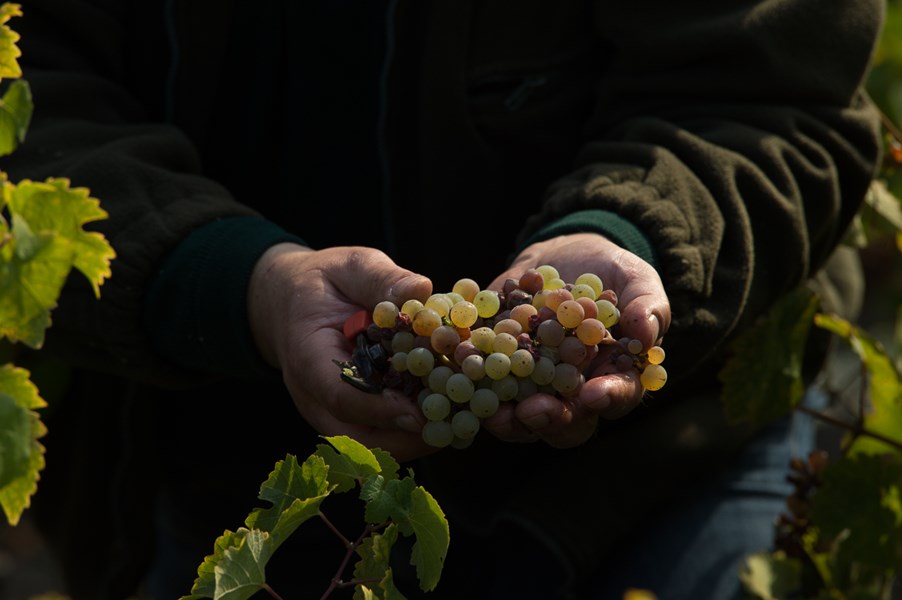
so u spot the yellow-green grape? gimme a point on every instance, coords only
(522, 363)
(439, 303)
(438, 377)
(570, 314)
(399, 361)
(548, 272)
(656, 355)
(484, 403)
(464, 424)
(487, 303)
(497, 365)
(653, 377)
(467, 288)
(436, 407)
(402, 341)
(420, 361)
(634, 346)
(459, 388)
(438, 434)
(583, 290)
(543, 371)
(461, 443)
(473, 367)
(411, 307)
(426, 321)
(592, 280)
(506, 388)
(590, 332)
(385, 314)
(607, 313)
(555, 284)
(510, 326)
(463, 314)
(454, 298)
(504, 343)
(538, 300)
(483, 338)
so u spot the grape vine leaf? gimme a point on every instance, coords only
(762, 378)
(884, 416)
(374, 565)
(388, 500)
(16, 108)
(237, 568)
(9, 51)
(295, 491)
(45, 242)
(21, 455)
(770, 576)
(432, 538)
(348, 460)
(861, 500)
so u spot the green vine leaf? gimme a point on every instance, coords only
(374, 565)
(860, 503)
(21, 455)
(763, 376)
(884, 416)
(770, 576)
(432, 538)
(349, 462)
(237, 568)
(16, 108)
(388, 500)
(296, 492)
(9, 51)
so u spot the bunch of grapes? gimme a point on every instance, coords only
(464, 352)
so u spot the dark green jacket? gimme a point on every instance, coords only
(726, 142)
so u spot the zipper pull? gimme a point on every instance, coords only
(521, 93)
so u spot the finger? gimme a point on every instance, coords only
(611, 395)
(505, 426)
(560, 422)
(367, 277)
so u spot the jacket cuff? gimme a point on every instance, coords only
(611, 225)
(196, 307)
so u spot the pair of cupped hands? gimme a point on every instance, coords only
(299, 299)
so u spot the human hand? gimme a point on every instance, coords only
(298, 301)
(607, 393)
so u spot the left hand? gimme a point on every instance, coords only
(607, 393)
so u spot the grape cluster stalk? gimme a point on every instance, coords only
(464, 352)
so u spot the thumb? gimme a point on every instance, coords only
(370, 277)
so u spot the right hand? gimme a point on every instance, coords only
(298, 301)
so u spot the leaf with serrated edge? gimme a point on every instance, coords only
(388, 466)
(20, 429)
(432, 538)
(860, 499)
(885, 392)
(770, 576)
(295, 491)
(237, 568)
(9, 51)
(762, 378)
(388, 500)
(54, 207)
(15, 115)
(374, 565)
(348, 460)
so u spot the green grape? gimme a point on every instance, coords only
(592, 280)
(497, 365)
(436, 407)
(656, 355)
(439, 303)
(461, 443)
(484, 403)
(420, 361)
(487, 303)
(555, 284)
(570, 313)
(459, 388)
(506, 388)
(473, 367)
(426, 321)
(583, 290)
(467, 288)
(438, 434)
(463, 314)
(483, 338)
(444, 339)
(504, 343)
(566, 378)
(608, 314)
(653, 377)
(399, 361)
(464, 424)
(454, 298)
(522, 363)
(543, 372)
(385, 314)
(438, 378)
(411, 307)
(402, 341)
(548, 272)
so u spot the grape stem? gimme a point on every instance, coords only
(857, 429)
(350, 546)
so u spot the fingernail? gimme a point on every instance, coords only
(408, 423)
(539, 421)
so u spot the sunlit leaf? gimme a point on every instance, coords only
(237, 568)
(21, 455)
(763, 376)
(348, 460)
(9, 51)
(432, 538)
(15, 115)
(770, 576)
(375, 566)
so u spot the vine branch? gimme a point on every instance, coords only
(856, 429)
(351, 547)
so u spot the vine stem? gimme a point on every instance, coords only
(350, 547)
(271, 592)
(858, 430)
